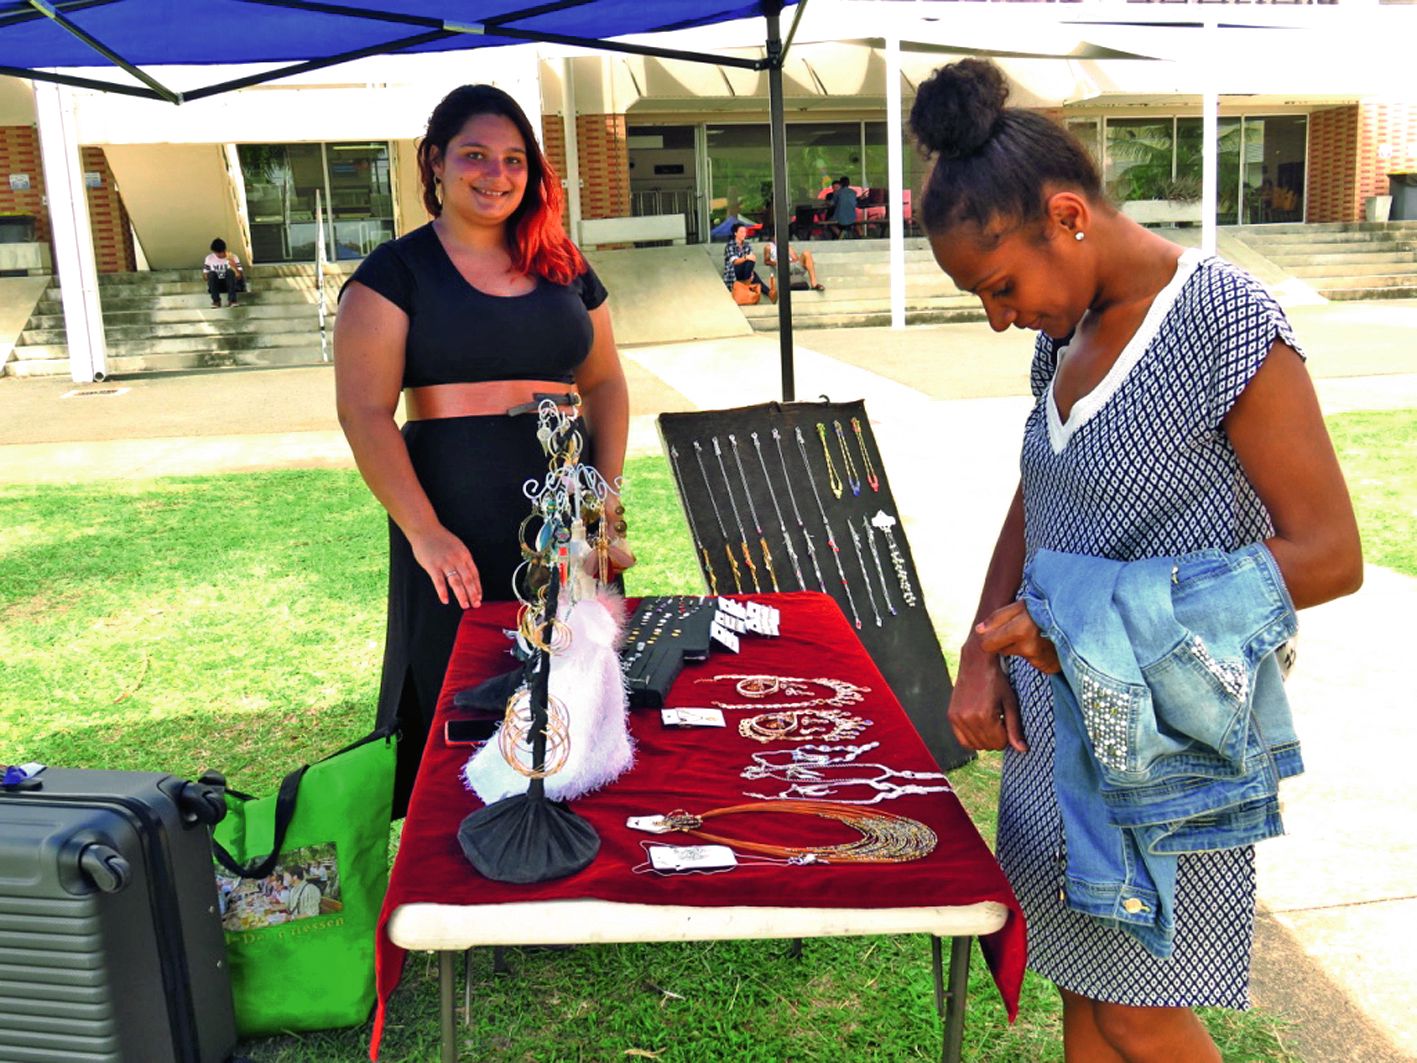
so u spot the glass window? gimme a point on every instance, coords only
(740, 165)
(1140, 158)
(1089, 132)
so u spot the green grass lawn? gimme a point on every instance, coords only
(236, 622)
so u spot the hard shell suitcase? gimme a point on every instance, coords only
(111, 947)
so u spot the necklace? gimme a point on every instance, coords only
(761, 686)
(737, 519)
(801, 524)
(826, 776)
(861, 560)
(822, 510)
(753, 512)
(853, 478)
(885, 838)
(833, 477)
(871, 477)
(802, 725)
(876, 558)
(786, 539)
(886, 522)
(727, 546)
(693, 529)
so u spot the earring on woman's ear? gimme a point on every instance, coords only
(1079, 235)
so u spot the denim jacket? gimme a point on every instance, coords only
(1171, 724)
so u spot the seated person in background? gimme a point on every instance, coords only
(802, 268)
(841, 206)
(222, 271)
(739, 262)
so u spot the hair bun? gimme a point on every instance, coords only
(958, 106)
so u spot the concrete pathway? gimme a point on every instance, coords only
(1338, 926)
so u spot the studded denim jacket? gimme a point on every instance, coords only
(1171, 725)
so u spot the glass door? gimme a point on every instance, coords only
(361, 200)
(281, 181)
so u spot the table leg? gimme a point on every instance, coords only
(794, 951)
(467, 988)
(951, 1002)
(447, 1027)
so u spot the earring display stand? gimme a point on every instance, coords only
(806, 505)
(526, 837)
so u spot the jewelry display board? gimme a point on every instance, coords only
(795, 497)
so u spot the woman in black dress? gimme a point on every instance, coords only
(471, 316)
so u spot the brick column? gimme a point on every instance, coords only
(553, 146)
(112, 232)
(605, 165)
(1393, 124)
(1333, 165)
(19, 154)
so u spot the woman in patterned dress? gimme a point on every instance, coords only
(1173, 414)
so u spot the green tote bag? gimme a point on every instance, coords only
(301, 877)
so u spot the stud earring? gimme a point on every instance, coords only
(1079, 235)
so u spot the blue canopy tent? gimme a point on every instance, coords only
(40, 39)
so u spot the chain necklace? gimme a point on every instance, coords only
(865, 575)
(826, 777)
(792, 497)
(876, 557)
(833, 477)
(786, 539)
(742, 533)
(871, 477)
(693, 528)
(885, 838)
(758, 686)
(727, 546)
(886, 522)
(753, 512)
(802, 725)
(852, 476)
(831, 539)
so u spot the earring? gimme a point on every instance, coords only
(1079, 235)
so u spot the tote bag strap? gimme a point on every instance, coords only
(285, 811)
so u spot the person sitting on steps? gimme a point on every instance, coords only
(222, 271)
(802, 268)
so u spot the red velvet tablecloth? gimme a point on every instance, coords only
(697, 769)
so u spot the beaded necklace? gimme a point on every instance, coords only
(853, 478)
(822, 510)
(753, 512)
(885, 838)
(801, 524)
(786, 539)
(871, 477)
(693, 528)
(727, 546)
(742, 533)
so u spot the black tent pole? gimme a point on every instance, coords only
(780, 227)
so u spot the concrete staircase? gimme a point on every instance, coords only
(1342, 261)
(163, 320)
(857, 278)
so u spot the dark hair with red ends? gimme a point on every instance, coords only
(992, 162)
(536, 240)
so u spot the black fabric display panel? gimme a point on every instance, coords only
(733, 510)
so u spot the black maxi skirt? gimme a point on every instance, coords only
(473, 470)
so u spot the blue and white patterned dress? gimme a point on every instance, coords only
(1141, 468)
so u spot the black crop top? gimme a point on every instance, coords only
(458, 334)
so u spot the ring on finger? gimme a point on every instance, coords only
(450, 573)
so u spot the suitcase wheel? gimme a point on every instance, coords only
(105, 867)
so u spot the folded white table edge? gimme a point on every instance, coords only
(441, 927)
